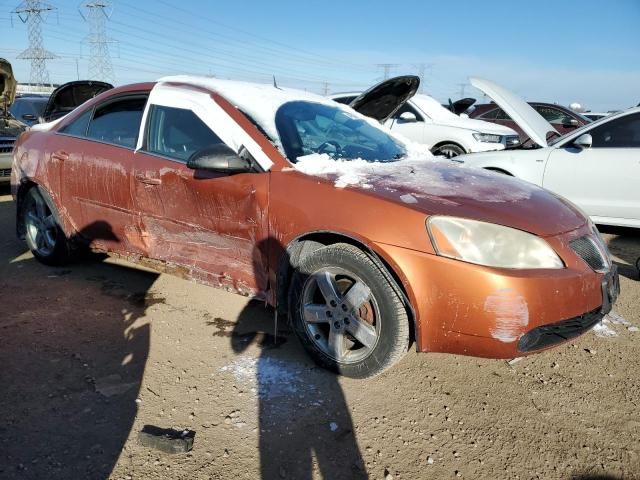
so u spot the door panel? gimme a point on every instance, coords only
(209, 223)
(602, 181)
(96, 185)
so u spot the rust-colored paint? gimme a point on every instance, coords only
(231, 231)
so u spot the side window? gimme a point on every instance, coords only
(554, 116)
(78, 128)
(408, 108)
(621, 133)
(495, 114)
(177, 133)
(118, 122)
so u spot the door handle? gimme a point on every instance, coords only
(60, 155)
(148, 180)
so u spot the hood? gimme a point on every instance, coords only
(70, 95)
(8, 85)
(443, 116)
(381, 101)
(533, 124)
(444, 188)
(461, 106)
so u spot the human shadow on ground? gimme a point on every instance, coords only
(305, 426)
(625, 244)
(73, 356)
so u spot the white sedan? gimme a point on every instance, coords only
(424, 120)
(596, 167)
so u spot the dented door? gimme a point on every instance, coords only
(206, 225)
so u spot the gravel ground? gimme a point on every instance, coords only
(93, 352)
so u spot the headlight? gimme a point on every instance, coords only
(489, 244)
(487, 137)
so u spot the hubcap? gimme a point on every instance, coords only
(340, 314)
(40, 226)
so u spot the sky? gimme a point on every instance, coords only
(584, 51)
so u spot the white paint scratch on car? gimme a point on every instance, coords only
(511, 314)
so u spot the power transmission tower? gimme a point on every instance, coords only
(422, 68)
(325, 88)
(97, 14)
(462, 86)
(386, 68)
(31, 12)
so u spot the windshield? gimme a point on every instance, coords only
(306, 128)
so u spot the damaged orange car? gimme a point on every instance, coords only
(365, 241)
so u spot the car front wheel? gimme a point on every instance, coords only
(346, 312)
(448, 150)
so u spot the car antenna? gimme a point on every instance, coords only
(275, 84)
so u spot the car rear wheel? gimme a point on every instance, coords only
(346, 313)
(448, 150)
(44, 237)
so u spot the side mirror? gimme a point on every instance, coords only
(584, 141)
(571, 123)
(408, 117)
(464, 115)
(218, 158)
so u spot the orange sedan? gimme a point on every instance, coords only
(365, 241)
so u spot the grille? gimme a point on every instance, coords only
(5, 172)
(587, 248)
(548, 335)
(6, 144)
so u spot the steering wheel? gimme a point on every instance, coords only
(330, 143)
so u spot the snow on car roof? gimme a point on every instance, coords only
(432, 107)
(260, 101)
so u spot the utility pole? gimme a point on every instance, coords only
(462, 86)
(97, 14)
(31, 12)
(386, 68)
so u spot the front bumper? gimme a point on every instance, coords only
(499, 313)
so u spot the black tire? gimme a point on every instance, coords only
(448, 150)
(43, 234)
(381, 312)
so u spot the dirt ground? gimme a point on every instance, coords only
(93, 352)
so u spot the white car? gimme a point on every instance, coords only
(424, 120)
(596, 166)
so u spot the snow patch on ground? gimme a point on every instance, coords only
(421, 173)
(268, 377)
(605, 328)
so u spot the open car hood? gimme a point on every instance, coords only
(384, 99)
(7, 85)
(70, 95)
(533, 124)
(462, 105)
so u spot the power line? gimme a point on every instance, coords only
(31, 13)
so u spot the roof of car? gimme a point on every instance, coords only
(258, 100)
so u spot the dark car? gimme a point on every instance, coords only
(28, 108)
(562, 118)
